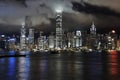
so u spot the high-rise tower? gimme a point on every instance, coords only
(59, 31)
(31, 36)
(78, 38)
(23, 37)
(28, 23)
(92, 39)
(51, 41)
(40, 41)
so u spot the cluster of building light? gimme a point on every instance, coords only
(71, 40)
(60, 40)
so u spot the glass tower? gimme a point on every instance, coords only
(59, 31)
(31, 36)
(23, 37)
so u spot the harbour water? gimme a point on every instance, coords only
(61, 67)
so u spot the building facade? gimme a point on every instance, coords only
(23, 37)
(59, 31)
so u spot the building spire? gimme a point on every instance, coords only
(93, 24)
(28, 22)
(93, 29)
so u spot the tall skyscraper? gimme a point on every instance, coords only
(92, 39)
(30, 39)
(59, 31)
(51, 41)
(28, 22)
(93, 29)
(31, 36)
(78, 39)
(11, 43)
(40, 41)
(23, 37)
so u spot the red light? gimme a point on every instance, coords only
(113, 52)
(114, 64)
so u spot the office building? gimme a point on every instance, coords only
(23, 37)
(59, 31)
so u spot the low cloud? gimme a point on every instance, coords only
(94, 9)
(42, 13)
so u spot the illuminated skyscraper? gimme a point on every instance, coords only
(23, 37)
(3, 42)
(40, 41)
(51, 41)
(28, 24)
(11, 42)
(92, 39)
(31, 36)
(78, 39)
(59, 31)
(93, 29)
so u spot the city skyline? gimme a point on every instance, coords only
(42, 14)
(59, 39)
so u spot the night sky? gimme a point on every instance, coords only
(76, 14)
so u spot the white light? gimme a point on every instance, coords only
(112, 39)
(12, 39)
(109, 43)
(23, 24)
(113, 31)
(27, 39)
(51, 46)
(23, 35)
(78, 33)
(90, 50)
(2, 35)
(109, 37)
(59, 11)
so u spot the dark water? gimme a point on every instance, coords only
(61, 67)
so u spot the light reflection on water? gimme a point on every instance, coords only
(114, 66)
(23, 68)
(11, 67)
(61, 67)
